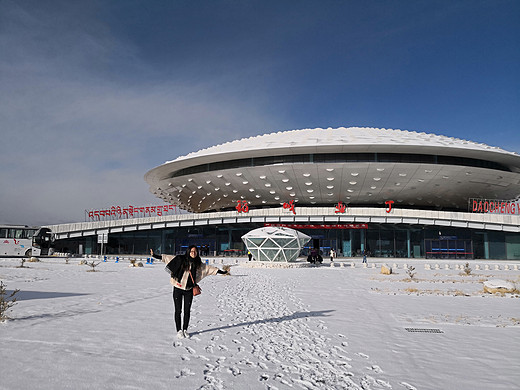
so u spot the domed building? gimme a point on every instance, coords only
(275, 244)
(390, 193)
(357, 166)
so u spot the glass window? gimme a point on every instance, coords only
(256, 241)
(28, 233)
(15, 233)
(291, 254)
(341, 158)
(287, 242)
(269, 243)
(271, 255)
(255, 253)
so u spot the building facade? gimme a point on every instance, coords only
(390, 193)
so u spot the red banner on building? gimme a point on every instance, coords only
(320, 226)
(118, 212)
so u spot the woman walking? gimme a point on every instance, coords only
(186, 271)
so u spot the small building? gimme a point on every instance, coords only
(275, 243)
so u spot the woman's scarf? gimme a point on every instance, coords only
(177, 267)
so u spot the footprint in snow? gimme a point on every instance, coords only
(376, 369)
(384, 383)
(185, 372)
(345, 358)
(408, 386)
(190, 350)
(234, 370)
(366, 381)
(202, 357)
(362, 355)
(338, 349)
(285, 382)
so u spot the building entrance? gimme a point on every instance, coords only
(449, 248)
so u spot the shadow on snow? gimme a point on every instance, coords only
(295, 316)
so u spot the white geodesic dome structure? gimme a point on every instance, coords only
(275, 243)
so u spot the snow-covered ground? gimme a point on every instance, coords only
(297, 328)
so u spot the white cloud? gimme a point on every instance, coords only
(74, 136)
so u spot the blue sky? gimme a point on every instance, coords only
(94, 94)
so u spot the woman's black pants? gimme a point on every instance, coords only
(179, 296)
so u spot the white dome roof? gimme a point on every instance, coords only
(347, 136)
(358, 166)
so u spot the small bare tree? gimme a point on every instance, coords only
(6, 301)
(93, 265)
(410, 271)
(467, 269)
(23, 260)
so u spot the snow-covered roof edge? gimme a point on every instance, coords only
(340, 136)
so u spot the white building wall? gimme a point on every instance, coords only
(509, 223)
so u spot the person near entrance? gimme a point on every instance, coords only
(186, 271)
(364, 253)
(332, 255)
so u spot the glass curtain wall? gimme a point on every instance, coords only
(379, 240)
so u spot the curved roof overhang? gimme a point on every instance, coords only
(438, 186)
(165, 170)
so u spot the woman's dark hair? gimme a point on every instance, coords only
(197, 260)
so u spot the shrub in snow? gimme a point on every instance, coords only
(6, 301)
(93, 265)
(410, 271)
(385, 269)
(467, 269)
